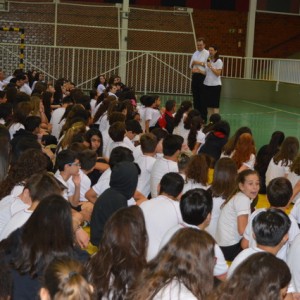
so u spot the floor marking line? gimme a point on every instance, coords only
(270, 107)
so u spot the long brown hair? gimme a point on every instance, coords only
(188, 257)
(288, 151)
(243, 149)
(122, 254)
(261, 276)
(197, 169)
(224, 179)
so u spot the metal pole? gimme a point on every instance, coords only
(250, 38)
(124, 36)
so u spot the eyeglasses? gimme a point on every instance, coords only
(74, 164)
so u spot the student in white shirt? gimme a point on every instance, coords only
(133, 129)
(183, 269)
(224, 182)
(279, 193)
(280, 163)
(162, 212)
(197, 173)
(146, 161)
(152, 112)
(235, 212)
(195, 207)
(38, 187)
(294, 176)
(196, 137)
(118, 154)
(117, 133)
(168, 163)
(270, 229)
(180, 116)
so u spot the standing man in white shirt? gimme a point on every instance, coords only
(197, 65)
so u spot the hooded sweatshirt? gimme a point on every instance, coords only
(123, 183)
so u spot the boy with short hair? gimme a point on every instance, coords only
(196, 207)
(146, 161)
(270, 230)
(168, 163)
(166, 121)
(279, 193)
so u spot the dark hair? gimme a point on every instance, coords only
(117, 131)
(288, 151)
(171, 144)
(188, 120)
(116, 116)
(183, 160)
(216, 48)
(295, 167)
(30, 162)
(270, 227)
(122, 253)
(188, 257)
(120, 154)
(159, 133)
(148, 142)
(230, 145)
(88, 137)
(213, 119)
(88, 159)
(224, 178)
(279, 192)
(196, 125)
(6, 282)
(5, 151)
(66, 278)
(32, 122)
(46, 96)
(42, 185)
(35, 251)
(171, 184)
(5, 111)
(184, 107)
(170, 104)
(261, 276)
(65, 157)
(21, 112)
(195, 205)
(102, 108)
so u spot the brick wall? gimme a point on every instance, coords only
(275, 35)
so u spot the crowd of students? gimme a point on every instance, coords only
(169, 200)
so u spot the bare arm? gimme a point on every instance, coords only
(91, 195)
(242, 222)
(74, 199)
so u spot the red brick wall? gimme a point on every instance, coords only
(275, 35)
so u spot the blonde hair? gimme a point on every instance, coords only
(35, 102)
(66, 279)
(76, 128)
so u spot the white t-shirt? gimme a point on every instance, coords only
(241, 257)
(85, 185)
(179, 130)
(146, 164)
(55, 121)
(106, 140)
(103, 122)
(227, 229)
(153, 115)
(93, 103)
(201, 56)
(65, 183)
(215, 214)
(250, 163)
(175, 290)
(129, 143)
(161, 167)
(220, 266)
(141, 110)
(294, 178)
(211, 79)
(114, 145)
(275, 171)
(17, 221)
(295, 212)
(100, 88)
(191, 184)
(14, 128)
(293, 232)
(137, 152)
(25, 88)
(9, 206)
(102, 183)
(293, 262)
(161, 214)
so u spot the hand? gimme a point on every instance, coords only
(76, 179)
(209, 65)
(82, 238)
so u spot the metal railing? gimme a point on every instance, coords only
(154, 72)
